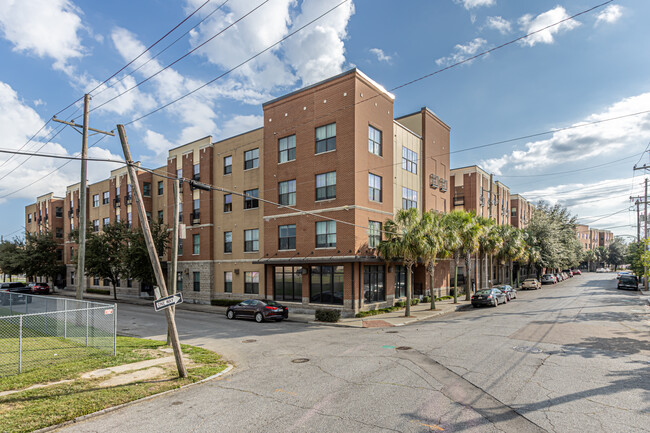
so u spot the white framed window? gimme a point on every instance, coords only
(374, 187)
(409, 160)
(326, 186)
(409, 198)
(287, 149)
(287, 193)
(326, 234)
(374, 140)
(326, 138)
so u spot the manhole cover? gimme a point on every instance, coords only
(391, 332)
(403, 348)
(527, 349)
(300, 360)
(249, 341)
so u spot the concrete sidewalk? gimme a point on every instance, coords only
(418, 312)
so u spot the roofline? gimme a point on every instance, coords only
(191, 142)
(238, 135)
(402, 126)
(327, 80)
(428, 110)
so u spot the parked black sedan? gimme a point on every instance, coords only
(492, 297)
(260, 310)
(628, 282)
(510, 292)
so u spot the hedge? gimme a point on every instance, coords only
(225, 302)
(328, 315)
(99, 291)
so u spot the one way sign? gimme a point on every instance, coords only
(167, 301)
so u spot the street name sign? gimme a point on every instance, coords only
(168, 301)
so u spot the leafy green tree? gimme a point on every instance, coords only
(453, 243)
(40, 256)
(12, 258)
(403, 243)
(633, 257)
(137, 262)
(106, 254)
(432, 246)
(602, 256)
(470, 230)
(489, 242)
(616, 252)
(512, 247)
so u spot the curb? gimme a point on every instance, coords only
(120, 406)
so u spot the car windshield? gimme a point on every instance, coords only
(628, 279)
(530, 280)
(484, 292)
(271, 303)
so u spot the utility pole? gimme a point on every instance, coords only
(638, 223)
(173, 279)
(153, 255)
(645, 233)
(81, 255)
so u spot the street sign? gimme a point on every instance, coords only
(167, 301)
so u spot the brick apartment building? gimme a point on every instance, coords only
(336, 162)
(472, 192)
(521, 211)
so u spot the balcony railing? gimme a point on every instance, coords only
(444, 185)
(433, 181)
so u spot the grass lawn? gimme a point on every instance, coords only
(29, 410)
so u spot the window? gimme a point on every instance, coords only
(227, 203)
(374, 187)
(409, 160)
(227, 165)
(59, 232)
(251, 282)
(147, 214)
(196, 279)
(59, 212)
(72, 277)
(326, 186)
(180, 212)
(95, 225)
(161, 217)
(196, 209)
(409, 198)
(251, 159)
(251, 240)
(250, 199)
(196, 244)
(326, 285)
(179, 175)
(287, 237)
(105, 197)
(288, 283)
(373, 284)
(374, 234)
(160, 187)
(400, 281)
(107, 282)
(95, 281)
(287, 149)
(513, 212)
(117, 218)
(106, 222)
(326, 234)
(29, 218)
(180, 246)
(129, 282)
(227, 282)
(374, 140)
(196, 172)
(326, 138)
(96, 200)
(118, 283)
(146, 189)
(287, 193)
(227, 242)
(179, 281)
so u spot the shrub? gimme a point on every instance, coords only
(400, 304)
(442, 298)
(375, 312)
(99, 291)
(225, 302)
(426, 299)
(415, 301)
(328, 315)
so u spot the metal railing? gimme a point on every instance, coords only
(37, 330)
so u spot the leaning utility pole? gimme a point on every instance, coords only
(173, 278)
(153, 255)
(81, 254)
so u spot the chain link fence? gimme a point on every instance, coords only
(37, 330)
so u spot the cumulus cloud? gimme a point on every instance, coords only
(609, 15)
(158, 144)
(499, 24)
(584, 143)
(310, 55)
(240, 124)
(19, 122)
(44, 28)
(462, 52)
(380, 55)
(530, 24)
(471, 4)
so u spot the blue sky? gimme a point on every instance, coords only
(588, 69)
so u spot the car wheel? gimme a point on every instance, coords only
(496, 302)
(230, 314)
(259, 318)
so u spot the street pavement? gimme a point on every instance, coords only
(572, 357)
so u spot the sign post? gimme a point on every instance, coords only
(168, 301)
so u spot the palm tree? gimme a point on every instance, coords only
(403, 243)
(590, 256)
(512, 246)
(470, 230)
(432, 245)
(488, 242)
(452, 242)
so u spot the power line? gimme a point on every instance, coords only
(571, 171)
(53, 155)
(607, 216)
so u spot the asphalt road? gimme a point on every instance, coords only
(572, 357)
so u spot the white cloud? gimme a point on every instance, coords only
(45, 28)
(19, 122)
(380, 55)
(500, 24)
(38, 102)
(314, 53)
(622, 136)
(471, 4)
(159, 145)
(530, 24)
(462, 52)
(609, 15)
(240, 124)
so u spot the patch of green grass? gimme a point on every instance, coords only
(26, 411)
